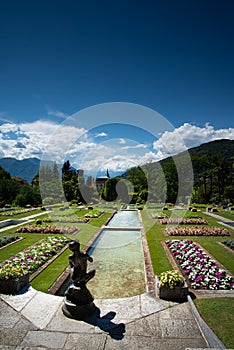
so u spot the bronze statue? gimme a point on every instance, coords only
(78, 262)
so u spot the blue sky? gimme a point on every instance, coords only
(60, 57)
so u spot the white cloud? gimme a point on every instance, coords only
(37, 139)
(56, 113)
(188, 136)
(101, 134)
(139, 145)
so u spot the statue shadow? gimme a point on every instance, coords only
(116, 331)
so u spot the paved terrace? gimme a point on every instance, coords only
(34, 320)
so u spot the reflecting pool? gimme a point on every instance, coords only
(118, 259)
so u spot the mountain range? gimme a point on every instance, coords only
(25, 169)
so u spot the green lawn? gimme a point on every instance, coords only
(218, 314)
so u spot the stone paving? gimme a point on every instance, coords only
(34, 320)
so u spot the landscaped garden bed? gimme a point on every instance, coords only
(229, 243)
(6, 240)
(34, 256)
(197, 231)
(67, 219)
(201, 271)
(182, 221)
(17, 212)
(47, 229)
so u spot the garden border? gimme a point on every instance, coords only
(47, 263)
(199, 293)
(191, 236)
(7, 245)
(226, 247)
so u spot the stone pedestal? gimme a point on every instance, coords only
(78, 303)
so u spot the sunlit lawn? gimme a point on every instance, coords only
(218, 314)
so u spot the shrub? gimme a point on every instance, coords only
(171, 279)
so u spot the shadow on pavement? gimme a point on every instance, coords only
(105, 324)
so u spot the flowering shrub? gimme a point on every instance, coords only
(10, 271)
(229, 243)
(171, 279)
(66, 219)
(7, 239)
(183, 221)
(17, 212)
(201, 270)
(197, 231)
(33, 257)
(46, 229)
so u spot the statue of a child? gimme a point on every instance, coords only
(78, 262)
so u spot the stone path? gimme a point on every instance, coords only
(224, 221)
(34, 320)
(25, 220)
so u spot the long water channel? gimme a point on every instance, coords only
(118, 258)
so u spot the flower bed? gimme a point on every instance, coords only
(33, 257)
(7, 240)
(183, 221)
(17, 212)
(66, 219)
(47, 229)
(229, 243)
(202, 271)
(197, 231)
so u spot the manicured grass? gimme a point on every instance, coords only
(154, 236)
(226, 214)
(98, 222)
(20, 216)
(47, 277)
(218, 314)
(13, 249)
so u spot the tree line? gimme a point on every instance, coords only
(153, 182)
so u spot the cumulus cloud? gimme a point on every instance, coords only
(188, 136)
(37, 139)
(101, 134)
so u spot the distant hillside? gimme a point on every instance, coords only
(26, 168)
(213, 175)
(222, 148)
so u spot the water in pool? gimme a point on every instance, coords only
(125, 218)
(119, 263)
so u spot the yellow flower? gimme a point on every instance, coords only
(171, 279)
